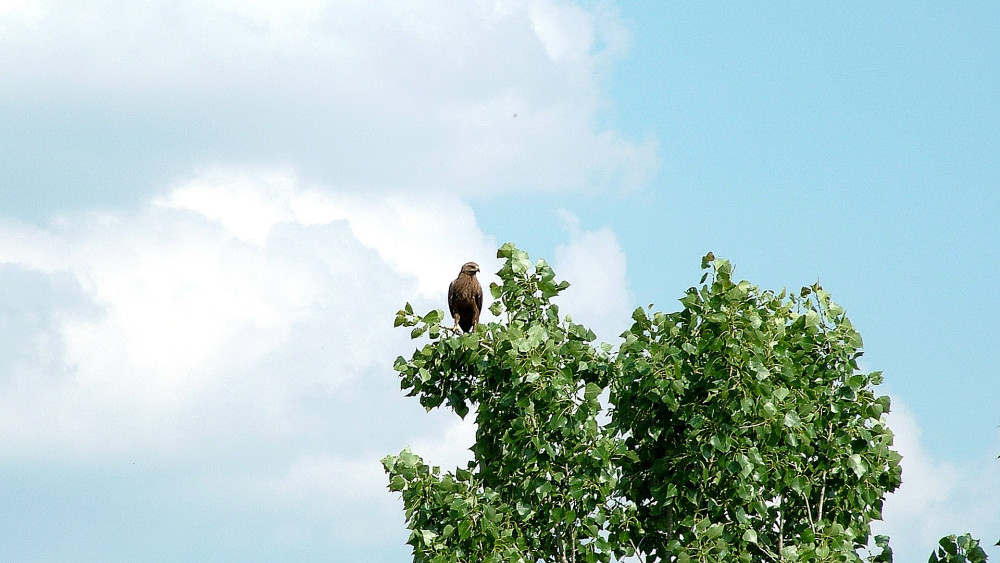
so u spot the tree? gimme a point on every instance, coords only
(756, 436)
(736, 429)
(542, 482)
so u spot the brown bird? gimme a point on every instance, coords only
(465, 298)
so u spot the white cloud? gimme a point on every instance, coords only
(477, 97)
(937, 498)
(566, 32)
(397, 226)
(247, 205)
(594, 264)
(242, 325)
(20, 13)
(217, 279)
(452, 449)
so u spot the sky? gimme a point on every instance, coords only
(210, 212)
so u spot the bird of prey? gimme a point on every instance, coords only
(465, 298)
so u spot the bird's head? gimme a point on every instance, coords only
(470, 268)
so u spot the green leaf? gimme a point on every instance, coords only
(855, 339)
(723, 267)
(716, 443)
(592, 391)
(536, 335)
(792, 419)
(857, 465)
(790, 553)
(750, 536)
(702, 526)
(689, 300)
(800, 485)
(409, 459)
(949, 544)
(520, 263)
(707, 259)
(812, 319)
(762, 372)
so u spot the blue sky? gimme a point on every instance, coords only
(210, 212)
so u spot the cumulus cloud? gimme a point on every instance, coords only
(594, 264)
(250, 206)
(241, 324)
(937, 498)
(473, 98)
(219, 276)
(235, 335)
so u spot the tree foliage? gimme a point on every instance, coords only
(738, 428)
(542, 482)
(756, 436)
(958, 549)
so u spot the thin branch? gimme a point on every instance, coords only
(822, 498)
(812, 523)
(635, 548)
(767, 552)
(781, 524)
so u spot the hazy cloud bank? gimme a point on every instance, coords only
(230, 343)
(104, 101)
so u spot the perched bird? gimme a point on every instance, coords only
(465, 298)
